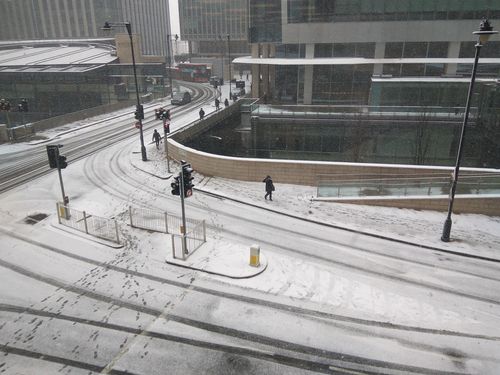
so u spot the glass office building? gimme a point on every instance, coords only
(205, 24)
(329, 51)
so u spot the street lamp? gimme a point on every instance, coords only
(484, 33)
(169, 36)
(230, 73)
(229, 56)
(139, 108)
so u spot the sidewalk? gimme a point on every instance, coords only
(476, 235)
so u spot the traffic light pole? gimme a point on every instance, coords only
(184, 241)
(165, 139)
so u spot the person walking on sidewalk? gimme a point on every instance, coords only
(269, 188)
(202, 114)
(226, 103)
(217, 104)
(156, 138)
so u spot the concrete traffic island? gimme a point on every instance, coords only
(221, 258)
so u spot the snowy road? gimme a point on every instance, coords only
(330, 301)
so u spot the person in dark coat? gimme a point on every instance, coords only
(226, 103)
(202, 114)
(269, 188)
(156, 138)
(217, 104)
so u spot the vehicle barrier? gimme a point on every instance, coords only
(93, 225)
(195, 237)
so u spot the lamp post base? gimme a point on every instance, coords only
(445, 237)
(143, 153)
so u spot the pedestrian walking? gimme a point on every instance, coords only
(217, 104)
(156, 138)
(269, 187)
(247, 76)
(226, 103)
(202, 114)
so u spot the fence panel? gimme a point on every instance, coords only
(94, 225)
(148, 219)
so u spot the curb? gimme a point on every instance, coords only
(352, 230)
(217, 273)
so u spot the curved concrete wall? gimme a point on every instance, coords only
(308, 173)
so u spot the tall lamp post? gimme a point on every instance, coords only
(169, 46)
(229, 55)
(139, 113)
(484, 33)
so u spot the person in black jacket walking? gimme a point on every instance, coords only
(269, 187)
(156, 138)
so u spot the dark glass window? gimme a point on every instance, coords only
(323, 50)
(467, 49)
(392, 69)
(413, 70)
(437, 49)
(365, 50)
(343, 50)
(393, 50)
(415, 49)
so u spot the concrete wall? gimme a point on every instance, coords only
(308, 172)
(80, 115)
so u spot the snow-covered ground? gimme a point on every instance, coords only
(427, 308)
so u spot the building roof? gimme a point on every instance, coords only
(55, 58)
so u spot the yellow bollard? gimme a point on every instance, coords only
(255, 255)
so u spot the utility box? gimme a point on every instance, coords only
(255, 255)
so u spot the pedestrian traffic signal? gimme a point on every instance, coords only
(176, 189)
(139, 112)
(187, 180)
(53, 154)
(62, 162)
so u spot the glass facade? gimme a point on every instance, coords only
(265, 21)
(305, 11)
(344, 50)
(202, 20)
(341, 84)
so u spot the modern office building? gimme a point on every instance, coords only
(206, 25)
(83, 19)
(381, 52)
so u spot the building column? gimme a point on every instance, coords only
(255, 72)
(308, 75)
(378, 69)
(264, 71)
(453, 53)
(272, 72)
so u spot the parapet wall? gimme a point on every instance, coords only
(308, 172)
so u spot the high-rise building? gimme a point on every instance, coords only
(83, 19)
(207, 24)
(383, 52)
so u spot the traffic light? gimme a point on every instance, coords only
(176, 189)
(139, 112)
(53, 154)
(62, 162)
(187, 180)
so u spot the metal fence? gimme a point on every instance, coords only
(167, 223)
(195, 237)
(148, 219)
(93, 225)
(409, 186)
(158, 221)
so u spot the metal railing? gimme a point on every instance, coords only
(408, 186)
(361, 111)
(93, 225)
(167, 223)
(195, 237)
(148, 219)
